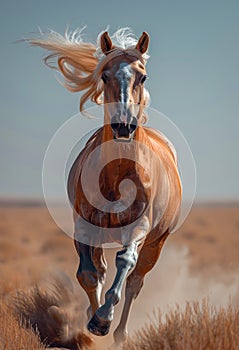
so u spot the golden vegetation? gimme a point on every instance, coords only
(51, 315)
(198, 327)
(38, 318)
(13, 335)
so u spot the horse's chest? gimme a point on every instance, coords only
(116, 214)
(122, 194)
(118, 205)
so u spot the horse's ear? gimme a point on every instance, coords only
(106, 43)
(143, 43)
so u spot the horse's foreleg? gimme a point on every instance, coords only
(148, 256)
(91, 273)
(125, 261)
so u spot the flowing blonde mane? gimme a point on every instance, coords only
(82, 63)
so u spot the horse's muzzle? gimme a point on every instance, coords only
(124, 131)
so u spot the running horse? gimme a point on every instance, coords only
(112, 72)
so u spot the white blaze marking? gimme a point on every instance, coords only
(124, 74)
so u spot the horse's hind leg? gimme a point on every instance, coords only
(91, 272)
(148, 257)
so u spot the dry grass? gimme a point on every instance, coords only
(198, 327)
(13, 336)
(52, 315)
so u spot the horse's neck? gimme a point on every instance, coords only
(126, 154)
(123, 158)
(120, 161)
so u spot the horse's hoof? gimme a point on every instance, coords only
(120, 336)
(98, 327)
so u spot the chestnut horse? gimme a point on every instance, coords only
(114, 73)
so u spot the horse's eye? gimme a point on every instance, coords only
(144, 77)
(105, 77)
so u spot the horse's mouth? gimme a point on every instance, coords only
(123, 132)
(123, 138)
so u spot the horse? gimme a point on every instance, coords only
(140, 215)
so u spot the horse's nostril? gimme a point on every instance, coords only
(114, 122)
(132, 127)
(115, 126)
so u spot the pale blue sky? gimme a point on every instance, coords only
(194, 80)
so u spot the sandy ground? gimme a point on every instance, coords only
(200, 259)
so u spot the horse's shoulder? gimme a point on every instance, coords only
(94, 136)
(160, 138)
(77, 165)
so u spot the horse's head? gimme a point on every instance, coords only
(123, 76)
